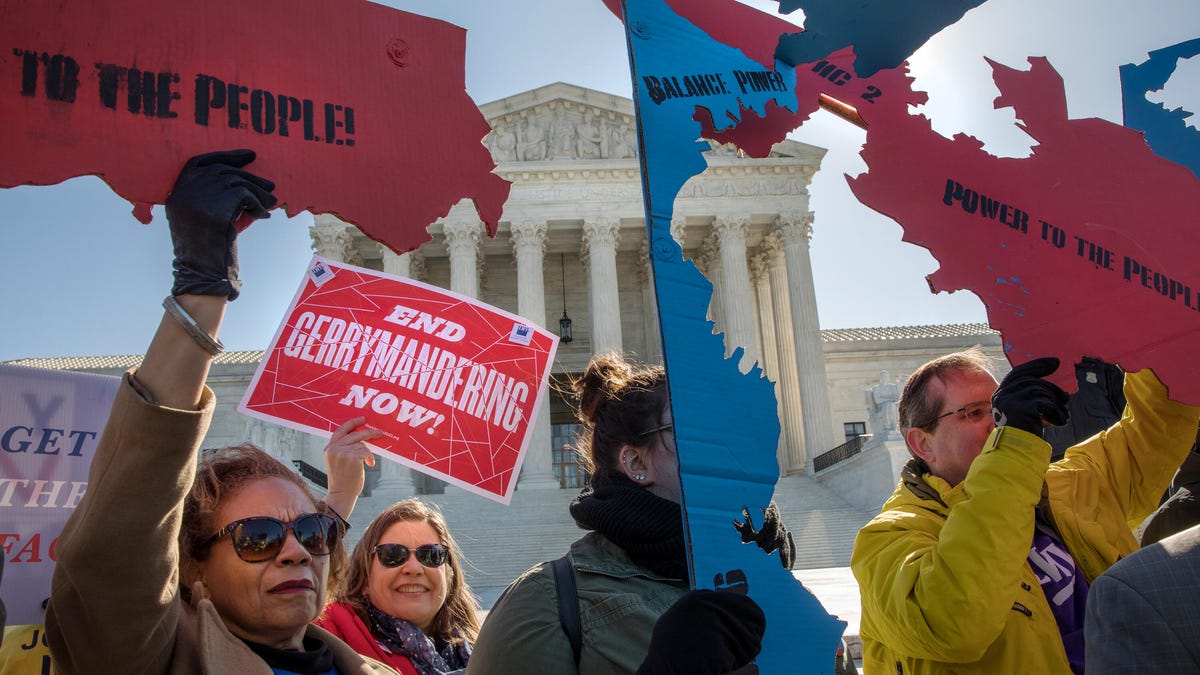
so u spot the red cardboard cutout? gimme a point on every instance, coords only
(453, 382)
(1085, 248)
(354, 108)
(756, 34)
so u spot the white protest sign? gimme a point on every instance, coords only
(50, 422)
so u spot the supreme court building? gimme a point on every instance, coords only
(571, 249)
(571, 246)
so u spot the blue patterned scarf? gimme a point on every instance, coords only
(401, 637)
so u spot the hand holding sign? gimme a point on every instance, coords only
(453, 384)
(211, 194)
(346, 454)
(1028, 402)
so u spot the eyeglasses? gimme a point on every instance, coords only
(395, 555)
(970, 413)
(261, 538)
(656, 430)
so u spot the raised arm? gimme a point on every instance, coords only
(114, 600)
(212, 193)
(345, 457)
(1139, 454)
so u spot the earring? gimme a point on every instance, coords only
(628, 459)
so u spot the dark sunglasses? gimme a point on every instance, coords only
(260, 538)
(429, 555)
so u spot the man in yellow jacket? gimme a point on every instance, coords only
(981, 560)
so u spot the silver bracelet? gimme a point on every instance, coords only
(207, 342)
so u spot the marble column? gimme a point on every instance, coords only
(462, 242)
(396, 481)
(709, 264)
(735, 289)
(333, 239)
(679, 230)
(791, 415)
(600, 247)
(795, 230)
(760, 279)
(654, 351)
(397, 264)
(411, 264)
(529, 248)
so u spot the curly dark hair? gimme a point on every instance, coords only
(220, 473)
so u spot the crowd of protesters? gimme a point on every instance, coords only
(988, 558)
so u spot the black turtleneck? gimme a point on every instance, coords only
(315, 659)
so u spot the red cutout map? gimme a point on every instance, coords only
(354, 108)
(1085, 248)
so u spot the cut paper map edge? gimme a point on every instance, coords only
(337, 124)
(727, 455)
(1077, 247)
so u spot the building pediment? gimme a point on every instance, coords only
(564, 122)
(561, 122)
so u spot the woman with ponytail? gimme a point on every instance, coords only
(635, 610)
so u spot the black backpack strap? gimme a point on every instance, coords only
(568, 603)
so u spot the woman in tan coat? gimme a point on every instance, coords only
(169, 568)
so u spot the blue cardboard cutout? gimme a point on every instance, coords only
(884, 33)
(1166, 131)
(726, 429)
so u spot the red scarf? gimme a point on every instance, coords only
(341, 620)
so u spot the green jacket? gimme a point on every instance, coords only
(943, 572)
(618, 605)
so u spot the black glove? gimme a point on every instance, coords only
(1027, 402)
(705, 632)
(209, 196)
(773, 535)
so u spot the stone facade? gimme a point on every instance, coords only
(823, 511)
(572, 242)
(855, 357)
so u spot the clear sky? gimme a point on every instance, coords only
(85, 278)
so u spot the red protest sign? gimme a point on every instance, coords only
(354, 108)
(454, 383)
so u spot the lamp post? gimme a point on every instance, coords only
(564, 324)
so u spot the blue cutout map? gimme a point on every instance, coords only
(884, 33)
(725, 423)
(1166, 131)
